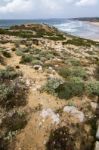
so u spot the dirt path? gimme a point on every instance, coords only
(36, 132)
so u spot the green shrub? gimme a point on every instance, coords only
(25, 50)
(52, 85)
(6, 54)
(8, 73)
(15, 122)
(65, 90)
(12, 122)
(26, 58)
(5, 92)
(19, 53)
(70, 72)
(74, 87)
(36, 62)
(49, 56)
(13, 94)
(12, 89)
(75, 62)
(92, 88)
(77, 42)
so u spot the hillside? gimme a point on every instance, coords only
(49, 89)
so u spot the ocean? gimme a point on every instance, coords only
(73, 27)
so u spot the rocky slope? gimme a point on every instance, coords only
(49, 89)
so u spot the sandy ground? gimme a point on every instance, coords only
(92, 22)
(95, 23)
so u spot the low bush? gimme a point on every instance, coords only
(36, 62)
(74, 71)
(6, 54)
(11, 123)
(26, 58)
(52, 85)
(92, 88)
(80, 42)
(19, 53)
(12, 89)
(65, 90)
(13, 95)
(75, 62)
(74, 87)
(8, 74)
(14, 122)
(60, 139)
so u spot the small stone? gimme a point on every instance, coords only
(38, 67)
(97, 146)
(28, 82)
(94, 105)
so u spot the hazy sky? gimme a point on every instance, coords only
(31, 9)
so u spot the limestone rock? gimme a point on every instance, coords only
(51, 114)
(75, 112)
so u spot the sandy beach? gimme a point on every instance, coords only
(94, 23)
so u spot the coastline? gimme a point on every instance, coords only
(93, 23)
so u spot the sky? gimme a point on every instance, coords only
(36, 9)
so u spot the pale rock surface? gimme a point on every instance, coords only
(97, 146)
(51, 114)
(75, 112)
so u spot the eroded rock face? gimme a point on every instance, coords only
(75, 112)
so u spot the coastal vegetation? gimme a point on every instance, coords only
(49, 88)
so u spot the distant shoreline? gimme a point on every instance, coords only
(93, 23)
(72, 27)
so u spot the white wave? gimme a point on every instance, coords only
(79, 28)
